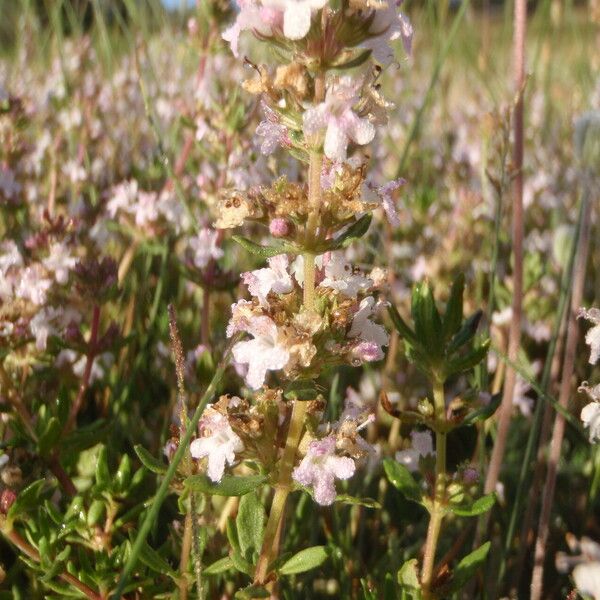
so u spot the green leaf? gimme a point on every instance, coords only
(95, 513)
(102, 472)
(301, 389)
(305, 560)
(355, 62)
(151, 463)
(465, 333)
(428, 324)
(403, 329)
(408, 578)
(27, 499)
(153, 560)
(252, 591)
(49, 436)
(123, 476)
(241, 564)
(401, 478)
(220, 566)
(468, 361)
(354, 232)
(262, 251)
(228, 486)
(484, 412)
(347, 499)
(454, 309)
(250, 524)
(480, 506)
(467, 567)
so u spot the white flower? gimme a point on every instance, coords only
(124, 197)
(296, 15)
(321, 467)
(205, 247)
(592, 338)
(33, 285)
(384, 195)
(340, 276)
(421, 445)
(590, 415)
(587, 579)
(365, 330)
(274, 134)
(218, 442)
(263, 353)
(389, 24)
(60, 262)
(275, 278)
(252, 16)
(341, 123)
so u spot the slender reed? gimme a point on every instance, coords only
(564, 395)
(520, 20)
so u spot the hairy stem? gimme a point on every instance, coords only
(437, 510)
(33, 554)
(284, 482)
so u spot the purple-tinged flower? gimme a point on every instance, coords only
(340, 122)
(296, 15)
(205, 247)
(339, 275)
(365, 330)
(218, 442)
(252, 16)
(321, 467)
(275, 278)
(274, 134)
(33, 285)
(421, 445)
(263, 353)
(388, 25)
(592, 338)
(384, 194)
(60, 262)
(279, 227)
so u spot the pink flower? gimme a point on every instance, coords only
(60, 262)
(33, 285)
(388, 25)
(340, 276)
(384, 193)
(204, 246)
(274, 134)
(252, 16)
(218, 442)
(275, 279)
(296, 15)
(592, 338)
(368, 332)
(321, 467)
(421, 445)
(340, 122)
(263, 353)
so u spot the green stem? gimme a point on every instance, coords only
(284, 482)
(439, 500)
(163, 490)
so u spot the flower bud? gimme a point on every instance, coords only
(7, 499)
(279, 227)
(425, 407)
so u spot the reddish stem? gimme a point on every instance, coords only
(92, 349)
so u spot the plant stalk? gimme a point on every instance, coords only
(439, 500)
(284, 482)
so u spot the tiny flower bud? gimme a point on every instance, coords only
(7, 499)
(470, 475)
(425, 407)
(279, 227)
